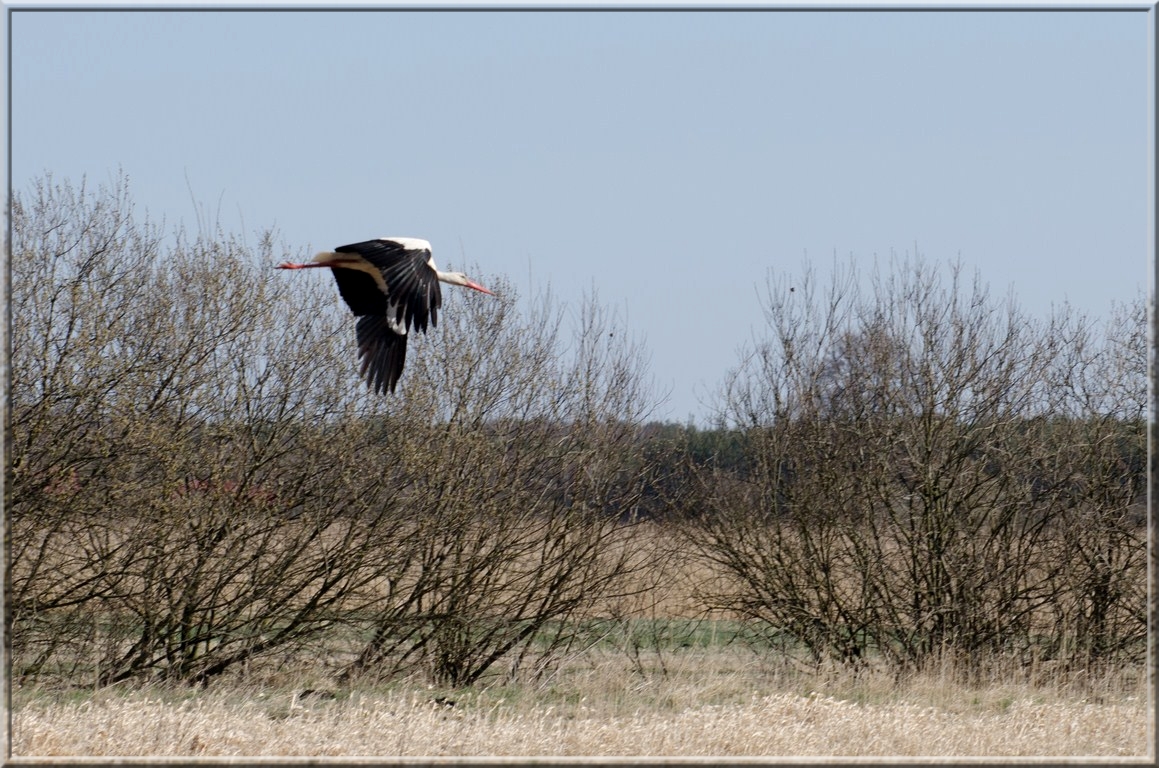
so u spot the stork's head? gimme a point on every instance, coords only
(458, 278)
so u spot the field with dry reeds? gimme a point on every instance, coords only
(723, 701)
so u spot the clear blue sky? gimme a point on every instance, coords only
(667, 159)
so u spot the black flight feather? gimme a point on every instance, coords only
(382, 351)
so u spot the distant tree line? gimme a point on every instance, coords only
(196, 482)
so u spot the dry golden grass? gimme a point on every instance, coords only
(708, 704)
(775, 725)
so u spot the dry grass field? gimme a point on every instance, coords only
(706, 703)
(659, 690)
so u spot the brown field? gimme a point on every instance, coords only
(704, 703)
(648, 696)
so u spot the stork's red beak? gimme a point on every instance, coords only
(294, 265)
(478, 287)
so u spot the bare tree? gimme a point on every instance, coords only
(180, 498)
(197, 480)
(1096, 480)
(515, 453)
(900, 497)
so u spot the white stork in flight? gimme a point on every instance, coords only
(391, 284)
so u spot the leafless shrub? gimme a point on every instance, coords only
(197, 480)
(174, 463)
(515, 453)
(925, 474)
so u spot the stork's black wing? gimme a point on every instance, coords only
(395, 290)
(382, 351)
(412, 286)
(360, 291)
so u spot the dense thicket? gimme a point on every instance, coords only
(196, 481)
